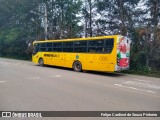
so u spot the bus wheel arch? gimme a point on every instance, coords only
(77, 66)
(41, 61)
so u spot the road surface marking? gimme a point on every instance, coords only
(134, 88)
(142, 80)
(55, 76)
(2, 81)
(34, 78)
(145, 85)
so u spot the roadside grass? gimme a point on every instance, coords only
(16, 58)
(150, 73)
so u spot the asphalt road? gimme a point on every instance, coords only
(28, 87)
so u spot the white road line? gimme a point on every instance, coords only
(55, 76)
(2, 81)
(145, 85)
(142, 80)
(134, 88)
(34, 78)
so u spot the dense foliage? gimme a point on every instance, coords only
(22, 22)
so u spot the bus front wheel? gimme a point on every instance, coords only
(77, 66)
(41, 62)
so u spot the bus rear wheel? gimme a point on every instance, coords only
(77, 66)
(41, 62)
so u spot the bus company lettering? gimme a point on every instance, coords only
(51, 55)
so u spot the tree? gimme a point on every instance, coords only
(148, 31)
(62, 16)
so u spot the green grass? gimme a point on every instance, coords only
(150, 73)
(16, 58)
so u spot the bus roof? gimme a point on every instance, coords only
(76, 39)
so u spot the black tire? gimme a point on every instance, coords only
(41, 62)
(77, 66)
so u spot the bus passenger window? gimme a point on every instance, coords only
(96, 46)
(49, 49)
(67, 46)
(49, 44)
(57, 49)
(42, 44)
(80, 49)
(109, 45)
(80, 46)
(42, 49)
(95, 43)
(57, 45)
(80, 43)
(67, 49)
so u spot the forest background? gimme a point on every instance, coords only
(23, 21)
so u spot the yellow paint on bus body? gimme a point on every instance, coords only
(89, 61)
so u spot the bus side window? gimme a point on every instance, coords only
(96, 46)
(49, 44)
(109, 45)
(67, 46)
(57, 44)
(49, 47)
(42, 47)
(57, 47)
(80, 46)
(80, 49)
(42, 44)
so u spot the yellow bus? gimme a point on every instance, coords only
(103, 53)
